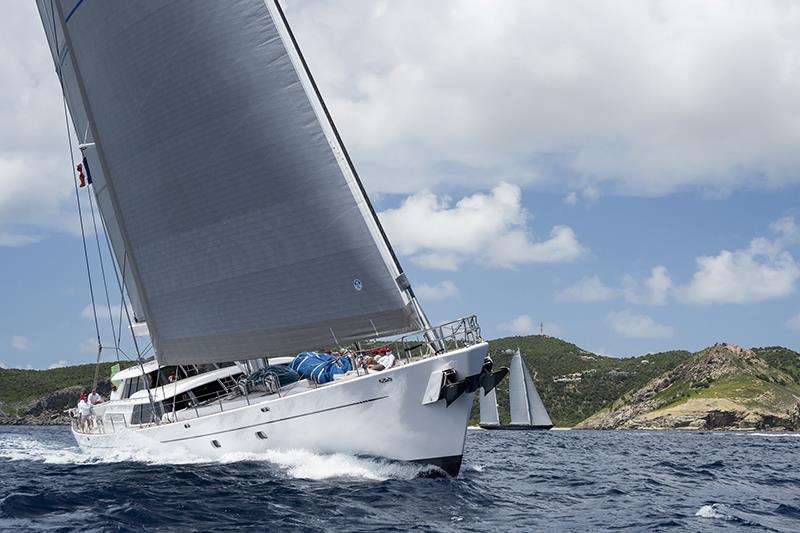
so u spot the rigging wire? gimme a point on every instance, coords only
(103, 272)
(83, 238)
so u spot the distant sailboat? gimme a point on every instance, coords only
(527, 409)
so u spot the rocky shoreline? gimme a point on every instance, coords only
(49, 410)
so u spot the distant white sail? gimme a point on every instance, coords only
(488, 403)
(526, 405)
(517, 391)
(538, 413)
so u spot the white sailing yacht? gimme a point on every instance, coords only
(242, 234)
(527, 409)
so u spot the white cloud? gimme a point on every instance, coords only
(58, 364)
(440, 291)
(654, 290)
(20, 343)
(102, 312)
(545, 92)
(587, 290)
(3, 364)
(521, 325)
(489, 228)
(762, 271)
(794, 322)
(571, 198)
(639, 326)
(35, 169)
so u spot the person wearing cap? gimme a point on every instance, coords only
(94, 397)
(84, 411)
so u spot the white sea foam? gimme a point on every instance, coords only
(711, 511)
(774, 434)
(307, 465)
(301, 464)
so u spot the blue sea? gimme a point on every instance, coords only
(511, 481)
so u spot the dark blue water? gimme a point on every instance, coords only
(512, 481)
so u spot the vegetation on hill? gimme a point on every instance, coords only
(572, 382)
(723, 386)
(20, 387)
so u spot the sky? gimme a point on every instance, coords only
(626, 174)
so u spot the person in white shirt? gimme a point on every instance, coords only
(84, 411)
(94, 397)
(382, 360)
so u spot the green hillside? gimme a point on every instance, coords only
(596, 381)
(19, 387)
(721, 387)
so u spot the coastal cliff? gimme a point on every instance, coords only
(724, 387)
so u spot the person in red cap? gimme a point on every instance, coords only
(84, 411)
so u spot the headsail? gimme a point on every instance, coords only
(488, 408)
(222, 180)
(538, 413)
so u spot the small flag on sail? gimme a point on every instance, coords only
(81, 176)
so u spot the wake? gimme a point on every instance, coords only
(296, 464)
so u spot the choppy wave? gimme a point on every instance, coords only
(510, 481)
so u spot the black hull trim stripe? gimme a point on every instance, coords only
(273, 421)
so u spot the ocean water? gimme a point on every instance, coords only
(511, 481)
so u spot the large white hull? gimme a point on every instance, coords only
(381, 414)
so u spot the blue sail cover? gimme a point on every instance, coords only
(222, 181)
(320, 367)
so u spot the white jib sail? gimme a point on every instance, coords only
(538, 413)
(488, 404)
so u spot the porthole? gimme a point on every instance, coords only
(216, 444)
(261, 435)
(187, 426)
(264, 409)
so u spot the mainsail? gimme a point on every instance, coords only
(517, 393)
(488, 408)
(223, 184)
(526, 405)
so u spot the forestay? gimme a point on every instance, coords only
(222, 180)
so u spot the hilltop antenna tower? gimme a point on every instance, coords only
(541, 328)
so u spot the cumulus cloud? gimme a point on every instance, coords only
(764, 270)
(653, 290)
(440, 291)
(638, 326)
(521, 325)
(35, 169)
(20, 343)
(58, 364)
(489, 228)
(626, 97)
(587, 290)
